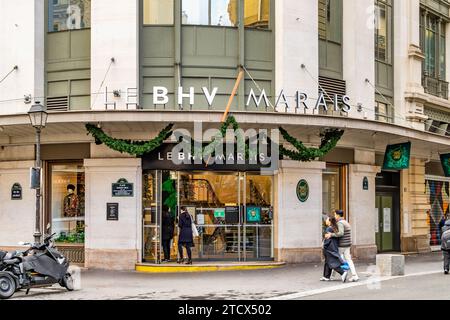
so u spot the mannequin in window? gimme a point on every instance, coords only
(71, 202)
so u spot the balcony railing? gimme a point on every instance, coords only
(436, 87)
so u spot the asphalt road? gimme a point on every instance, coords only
(428, 287)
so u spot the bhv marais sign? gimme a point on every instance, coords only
(340, 103)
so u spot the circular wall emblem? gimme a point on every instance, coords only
(302, 190)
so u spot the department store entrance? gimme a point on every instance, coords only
(232, 211)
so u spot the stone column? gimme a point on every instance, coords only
(414, 205)
(298, 225)
(361, 210)
(112, 244)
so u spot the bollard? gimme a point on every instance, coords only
(391, 264)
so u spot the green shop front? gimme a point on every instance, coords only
(232, 207)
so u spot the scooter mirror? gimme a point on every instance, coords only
(49, 226)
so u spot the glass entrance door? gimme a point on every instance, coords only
(233, 213)
(384, 222)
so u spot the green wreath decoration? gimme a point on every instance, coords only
(329, 140)
(137, 148)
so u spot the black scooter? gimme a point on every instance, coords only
(39, 266)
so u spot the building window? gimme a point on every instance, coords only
(330, 20)
(69, 15)
(433, 45)
(384, 112)
(257, 14)
(383, 18)
(158, 11)
(209, 12)
(67, 205)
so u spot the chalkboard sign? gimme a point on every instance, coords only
(122, 188)
(16, 192)
(232, 214)
(112, 211)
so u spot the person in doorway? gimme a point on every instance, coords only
(71, 202)
(333, 260)
(185, 238)
(167, 232)
(445, 245)
(344, 236)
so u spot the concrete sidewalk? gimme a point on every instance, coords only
(256, 284)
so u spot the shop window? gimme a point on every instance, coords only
(383, 18)
(67, 202)
(334, 187)
(209, 12)
(69, 15)
(158, 12)
(257, 14)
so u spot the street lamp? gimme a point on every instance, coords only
(38, 118)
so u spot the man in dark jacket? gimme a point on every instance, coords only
(168, 229)
(445, 246)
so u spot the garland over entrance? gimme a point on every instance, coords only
(329, 140)
(137, 148)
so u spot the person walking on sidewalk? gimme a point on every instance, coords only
(445, 246)
(333, 260)
(344, 236)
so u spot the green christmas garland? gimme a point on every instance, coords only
(329, 140)
(137, 148)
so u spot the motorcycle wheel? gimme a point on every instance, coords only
(67, 282)
(7, 286)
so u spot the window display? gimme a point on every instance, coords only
(67, 204)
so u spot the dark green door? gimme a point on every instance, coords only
(384, 228)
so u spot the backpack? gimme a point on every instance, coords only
(446, 241)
